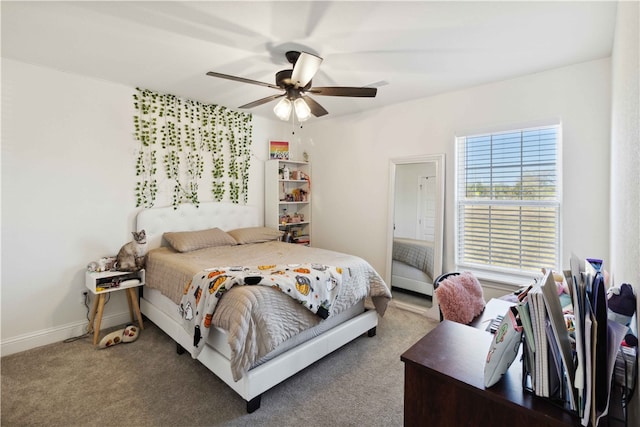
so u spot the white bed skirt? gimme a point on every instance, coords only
(288, 359)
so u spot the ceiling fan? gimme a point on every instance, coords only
(296, 85)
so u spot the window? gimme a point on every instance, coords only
(507, 201)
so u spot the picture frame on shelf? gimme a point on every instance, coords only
(279, 150)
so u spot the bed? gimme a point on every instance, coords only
(412, 265)
(261, 348)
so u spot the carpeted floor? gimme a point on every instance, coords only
(145, 383)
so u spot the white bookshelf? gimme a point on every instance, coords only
(288, 198)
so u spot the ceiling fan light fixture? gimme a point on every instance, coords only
(305, 67)
(296, 82)
(283, 109)
(303, 112)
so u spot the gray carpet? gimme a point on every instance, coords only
(145, 383)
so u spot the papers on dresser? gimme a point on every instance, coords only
(570, 355)
(560, 334)
(597, 340)
(616, 333)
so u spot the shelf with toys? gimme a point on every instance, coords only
(288, 198)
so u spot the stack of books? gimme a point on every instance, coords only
(548, 352)
(302, 240)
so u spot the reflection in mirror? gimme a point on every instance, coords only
(415, 246)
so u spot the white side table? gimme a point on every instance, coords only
(101, 283)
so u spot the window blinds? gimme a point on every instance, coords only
(508, 200)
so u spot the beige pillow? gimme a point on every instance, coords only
(255, 234)
(187, 241)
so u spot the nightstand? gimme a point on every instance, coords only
(101, 283)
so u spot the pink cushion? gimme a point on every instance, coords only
(460, 297)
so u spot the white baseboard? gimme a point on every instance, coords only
(57, 334)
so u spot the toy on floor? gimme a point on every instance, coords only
(129, 334)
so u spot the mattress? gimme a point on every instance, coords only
(404, 270)
(417, 253)
(404, 276)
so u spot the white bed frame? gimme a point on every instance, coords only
(250, 387)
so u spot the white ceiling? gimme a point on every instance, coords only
(408, 50)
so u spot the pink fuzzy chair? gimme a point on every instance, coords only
(459, 296)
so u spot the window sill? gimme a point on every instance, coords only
(499, 280)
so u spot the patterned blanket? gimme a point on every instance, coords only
(315, 286)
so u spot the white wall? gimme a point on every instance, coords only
(625, 157)
(68, 196)
(625, 146)
(67, 176)
(351, 155)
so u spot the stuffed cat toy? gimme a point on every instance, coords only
(621, 306)
(131, 255)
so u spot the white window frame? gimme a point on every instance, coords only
(498, 274)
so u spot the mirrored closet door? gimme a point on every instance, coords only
(415, 233)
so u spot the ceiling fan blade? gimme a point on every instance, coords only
(261, 101)
(241, 79)
(316, 109)
(305, 68)
(362, 92)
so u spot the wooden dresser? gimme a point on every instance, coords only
(444, 382)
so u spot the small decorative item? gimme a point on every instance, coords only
(103, 264)
(305, 156)
(285, 173)
(108, 263)
(279, 150)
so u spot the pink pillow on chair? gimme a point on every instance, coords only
(460, 297)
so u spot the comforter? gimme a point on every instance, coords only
(259, 318)
(314, 286)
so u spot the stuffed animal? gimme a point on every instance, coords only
(621, 303)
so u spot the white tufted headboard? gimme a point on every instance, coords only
(226, 216)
